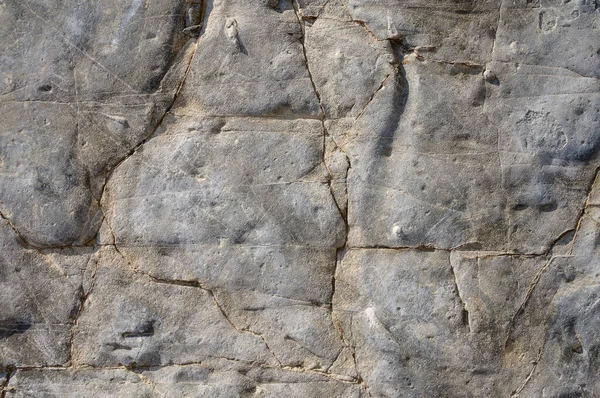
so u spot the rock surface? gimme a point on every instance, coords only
(307, 198)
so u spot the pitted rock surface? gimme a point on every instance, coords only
(300, 198)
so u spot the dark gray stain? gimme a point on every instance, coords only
(12, 326)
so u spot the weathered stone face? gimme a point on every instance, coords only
(307, 198)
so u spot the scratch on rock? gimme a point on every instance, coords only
(516, 392)
(84, 53)
(295, 301)
(197, 284)
(109, 173)
(465, 311)
(83, 299)
(299, 344)
(392, 73)
(466, 64)
(528, 295)
(374, 320)
(333, 376)
(584, 208)
(424, 248)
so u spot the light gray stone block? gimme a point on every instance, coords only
(299, 198)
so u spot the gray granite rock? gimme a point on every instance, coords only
(307, 198)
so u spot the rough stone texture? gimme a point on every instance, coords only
(307, 198)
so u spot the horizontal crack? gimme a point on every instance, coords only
(464, 248)
(142, 367)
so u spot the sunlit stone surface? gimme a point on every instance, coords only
(308, 198)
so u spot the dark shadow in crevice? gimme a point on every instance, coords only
(12, 326)
(387, 128)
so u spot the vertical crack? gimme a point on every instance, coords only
(548, 252)
(535, 363)
(528, 295)
(500, 8)
(322, 116)
(340, 250)
(584, 208)
(219, 306)
(4, 385)
(465, 311)
(537, 279)
(83, 299)
(202, 26)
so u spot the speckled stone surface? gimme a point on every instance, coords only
(307, 198)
